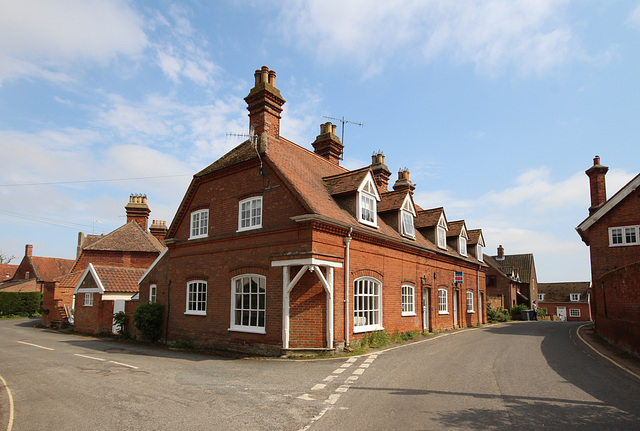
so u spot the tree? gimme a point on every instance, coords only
(5, 258)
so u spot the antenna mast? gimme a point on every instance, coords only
(343, 121)
(254, 141)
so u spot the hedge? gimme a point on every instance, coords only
(20, 303)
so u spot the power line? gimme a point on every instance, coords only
(49, 221)
(93, 181)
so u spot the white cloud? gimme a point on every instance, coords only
(634, 17)
(48, 38)
(528, 36)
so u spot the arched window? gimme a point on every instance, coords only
(408, 301)
(248, 303)
(367, 305)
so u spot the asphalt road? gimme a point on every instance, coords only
(521, 375)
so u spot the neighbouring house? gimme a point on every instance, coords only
(511, 279)
(7, 271)
(129, 246)
(567, 301)
(612, 233)
(34, 271)
(276, 248)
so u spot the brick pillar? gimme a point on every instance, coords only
(597, 185)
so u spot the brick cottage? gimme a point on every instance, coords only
(277, 248)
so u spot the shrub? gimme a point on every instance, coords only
(24, 304)
(120, 319)
(542, 312)
(496, 315)
(516, 311)
(148, 319)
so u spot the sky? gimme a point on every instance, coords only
(496, 108)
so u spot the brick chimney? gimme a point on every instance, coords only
(403, 182)
(381, 172)
(597, 185)
(264, 104)
(327, 143)
(159, 229)
(500, 253)
(28, 250)
(138, 210)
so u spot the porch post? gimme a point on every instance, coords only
(330, 307)
(285, 307)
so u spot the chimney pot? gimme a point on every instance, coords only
(500, 252)
(264, 104)
(327, 144)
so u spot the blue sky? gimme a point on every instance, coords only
(496, 107)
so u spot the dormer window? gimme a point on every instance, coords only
(441, 232)
(462, 241)
(407, 213)
(199, 224)
(479, 252)
(575, 297)
(367, 198)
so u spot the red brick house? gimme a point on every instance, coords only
(34, 271)
(7, 271)
(275, 247)
(129, 246)
(612, 233)
(567, 301)
(511, 279)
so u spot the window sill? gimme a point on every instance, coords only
(368, 328)
(409, 314)
(244, 229)
(247, 330)
(443, 312)
(197, 237)
(471, 312)
(195, 313)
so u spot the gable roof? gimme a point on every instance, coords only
(457, 228)
(560, 292)
(393, 201)
(430, 217)
(112, 279)
(476, 237)
(49, 268)
(129, 237)
(625, 191)
(522, 263)
(346, 182)
(6, 271)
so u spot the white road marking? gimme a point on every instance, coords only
(126, 365)
(332, 399)
(338, 371)
(318, 387)
(329, 378)
(11, 408)
(89, 357)
(306, 397)
(35, 345)
(358, 371)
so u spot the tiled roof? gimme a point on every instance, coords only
(242, 153)
(474, 236)
(129, 237)
(428, 218)
(49, 268)
(521, 262)
(346, 182)
(392, 201)
(69, 280)
(560, 292)
(455, 227)
(6, 271)
(117, 279)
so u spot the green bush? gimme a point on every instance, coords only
(496, 315)
(120, 319)
(23, 304)
(516, 311)
(542, 312)
(148, 319)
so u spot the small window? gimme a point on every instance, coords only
(250, 214)
(575, 297)
(627, 235)
(630, 236)
(443, 303)
(248, 303)
(152, 293)
(540, 297)
(199, 224)
(367, 207)
(479, 253)
(441, 232)
(407, 224)
(367, 310)
(408, 301)
(88, 299)
(574, 312)
(196, 297)
(470, 302)
(462, 245)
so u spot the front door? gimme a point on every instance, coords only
(455, 308)
(425, 310)
(562, 313)
(118, 305)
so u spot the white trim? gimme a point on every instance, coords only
(250, 202)
(247, 328)
(90, 269)
(117, 295)
(413, 300)
(369, 327)
(206, 300)
(615, 200)
(309, 261)
(199, 235)
(446, 291)
(369, 183)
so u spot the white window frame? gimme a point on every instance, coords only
(574, 312)
(88, 299)
(620, 236)
(367, 305)
(251, 217)
(408, 300)
(443, 301)
(540, 297)
(441, 233)
(407, 213)
(470, 308)
(366, 206)
(196, 298)
(479, 253)
(574, 297)
(251, 292)
(199, 226)
(153, 293)
(462, 245)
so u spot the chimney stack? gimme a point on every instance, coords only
(327, 143)
(381, 172)
(403, 182)
(500, 253)
(264, 104)
(597, 184)
(159, 229)
(28, 250)
(138, 210)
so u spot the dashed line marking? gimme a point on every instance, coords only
(35, 345)
(352, 378)
(358, 371)
(124, 365)
(306, 397)
(365, 365)
(332, 399)
(338, 371)
(318, 387)
(329, 378)
(343, 388)
(89, 357)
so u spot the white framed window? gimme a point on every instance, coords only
(574, 297)
(408, 300)
(407, 213)
(462, 245)
(367, 307)
(196, 297)
(624, 235)
(199, 224)
(367, 203)
(250, 213)
(88, 299)
(479, 252)
(470, 302)
(153, 289)
(441, 232)
(443, 301)
(574, 312)
(540, 297)
(248, 303)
